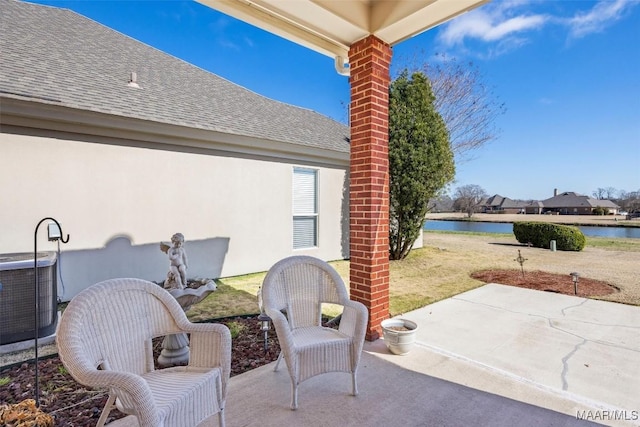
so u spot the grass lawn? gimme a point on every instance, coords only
(427, 275)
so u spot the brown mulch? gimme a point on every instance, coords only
(543, 281)
(73, 405)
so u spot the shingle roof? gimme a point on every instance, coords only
(56, 56)
(494, 200)
(570, 199)
(498, 201)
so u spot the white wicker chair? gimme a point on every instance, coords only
(104, 341)
(298, 286)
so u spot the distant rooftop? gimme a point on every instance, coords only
(570, 199)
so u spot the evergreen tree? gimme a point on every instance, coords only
(421, 161)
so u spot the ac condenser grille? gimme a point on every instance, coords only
(17, 296)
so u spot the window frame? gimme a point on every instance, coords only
(303, 211)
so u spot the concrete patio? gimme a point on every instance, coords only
(493, 356)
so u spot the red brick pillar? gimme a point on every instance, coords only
(369, 61)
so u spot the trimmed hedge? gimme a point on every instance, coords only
(540, 235)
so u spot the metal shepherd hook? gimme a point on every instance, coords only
(35, 275)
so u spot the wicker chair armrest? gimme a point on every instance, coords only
(134, 385)
(354, 320)
(210, 344)
(283, 330)
(210, 347)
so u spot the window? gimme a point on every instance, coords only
(305, 208)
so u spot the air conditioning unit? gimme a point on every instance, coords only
(17, 296)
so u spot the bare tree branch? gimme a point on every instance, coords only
(467, 105)
(467, 198)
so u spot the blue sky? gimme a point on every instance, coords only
(567, 71)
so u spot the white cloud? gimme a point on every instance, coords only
(504, 26)
(249, 41)
(226, 36)
(514, 25)
(220, 25)
(491, 24)
(602, 15)
(227, 44)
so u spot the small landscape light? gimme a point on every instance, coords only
(575, 276)
(265, 321)
(265, 325)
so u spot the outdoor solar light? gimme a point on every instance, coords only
(265, 321)
(265, 325)
(575, 276)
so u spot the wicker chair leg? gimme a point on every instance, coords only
(294, 395)
(106, 410)
(221, 418)
(354, 384)
(278, 362)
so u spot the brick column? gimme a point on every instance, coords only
(369, 61)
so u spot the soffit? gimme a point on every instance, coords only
(332, 26)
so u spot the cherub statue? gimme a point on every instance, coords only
(177, 276)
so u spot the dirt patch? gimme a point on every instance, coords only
(544, 281)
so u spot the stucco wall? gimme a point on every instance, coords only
(118, 202)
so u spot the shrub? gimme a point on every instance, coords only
(235, 328)
(540, 235)
(599, 210)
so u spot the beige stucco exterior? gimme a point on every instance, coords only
(118, 201)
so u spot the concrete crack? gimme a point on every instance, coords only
(573, 306)
(565, 364)
(550, 321)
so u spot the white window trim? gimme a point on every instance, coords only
(308, 209)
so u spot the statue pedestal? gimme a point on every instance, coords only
(175, 348)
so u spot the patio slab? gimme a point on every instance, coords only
(493, 356)
(390, 395)
(584, 350)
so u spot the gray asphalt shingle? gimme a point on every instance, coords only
(56, 56)
(570, 199)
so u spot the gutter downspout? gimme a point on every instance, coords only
(342, 66)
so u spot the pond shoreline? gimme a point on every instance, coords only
(584, 220)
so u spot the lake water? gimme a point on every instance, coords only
(503, 227)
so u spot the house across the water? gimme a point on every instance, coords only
(567, 203)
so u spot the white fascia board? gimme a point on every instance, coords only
(126, 131)
(270, 21)
(332, 26)
(436, 13)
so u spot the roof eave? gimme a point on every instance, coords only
(330, 27)
(44, 119)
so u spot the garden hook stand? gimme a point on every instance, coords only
(37, 291)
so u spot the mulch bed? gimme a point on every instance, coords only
(543, 281)
(73, 405)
